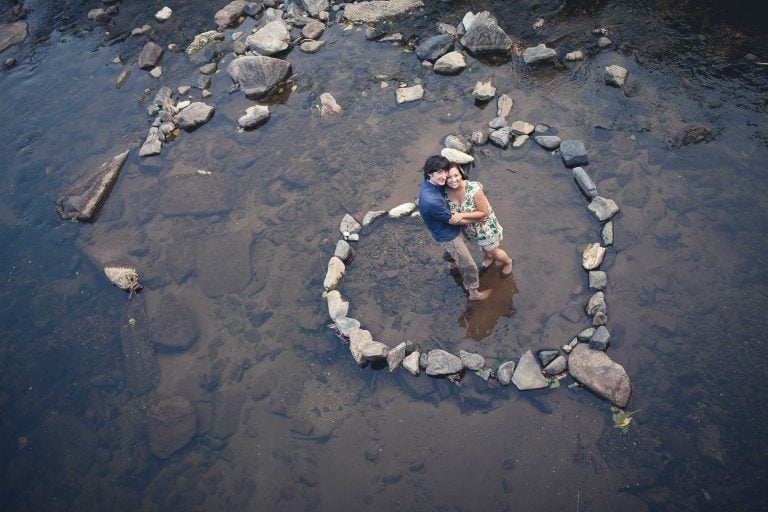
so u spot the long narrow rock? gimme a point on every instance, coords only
(84, 200)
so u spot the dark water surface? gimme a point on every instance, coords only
(285, 419)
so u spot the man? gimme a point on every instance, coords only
(444, 226)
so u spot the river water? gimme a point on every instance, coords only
(285, 419)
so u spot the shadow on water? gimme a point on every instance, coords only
(232, 262)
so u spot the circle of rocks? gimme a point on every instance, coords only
(584, 357)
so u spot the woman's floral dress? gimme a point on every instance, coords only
(488, 233)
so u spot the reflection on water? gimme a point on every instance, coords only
(283, 416)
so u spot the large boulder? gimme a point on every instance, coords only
(12, 33)
(171, 423)
(485, 36)
(258, 75)
(601, 375)
(83, 201)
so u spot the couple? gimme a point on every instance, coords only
(449, 204)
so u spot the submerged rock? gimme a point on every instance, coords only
(171, 424)
(598, 373)
(152, 145)
(12, 33)
(257, 76)
(173, 325)
(328, 105)
(408, 94)
(83, 201)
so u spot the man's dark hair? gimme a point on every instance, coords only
(435, 163)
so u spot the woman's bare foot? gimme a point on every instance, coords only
(506, 270)
(486, 264)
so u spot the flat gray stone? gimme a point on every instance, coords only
(195, 115)
(257, 76)
(358, 338)
(313, 30)
(607, 233)
(603, 209)
(254, 117)
(374, 350)
(152, 145)
(349, 225)
(11, 34)
(500, 137)
(600, 339)
(229, 14)
(598, 280)
(547, 141)
(378, 10)
(598, 373)
(537, 54)
(592, 256)
(345, 325)
(615, 76)
(504, 106)
(596, 303)
(556, 366)
(334, 274)
(450, 64)
(584, 182)
(434, 47)
(528, 373)
(573, 153)
(471, 361)
(485, 90)
(86, 197)
(271, 39)
(343, 250)
(440, 362)
(411, 363)
(484, 35)
(150, 55)
(396, 356)
(337, 307)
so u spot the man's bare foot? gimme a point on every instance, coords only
(477, 295)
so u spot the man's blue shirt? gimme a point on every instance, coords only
(434, 210)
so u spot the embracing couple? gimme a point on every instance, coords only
(451, 205)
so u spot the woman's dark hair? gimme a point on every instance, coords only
(435, 163)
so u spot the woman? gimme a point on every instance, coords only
(479, 223)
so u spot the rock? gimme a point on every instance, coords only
(485, 90)
(335, 273)
(519, 141)
(183, 90)
(402, 210)
(424, 360)
(584, 182)
(345, 325)
(311, 46)
(598, 280)
(546, 356)
(541, 128)
(156, 72)
(163, 14)
(500, 137)
(271, 39)
(208, 69)
(450, 64)
(573, 153)
(328, 105)
(374, 350)
(456, 156)
(337, 307)
(505, 372)
(377, 10)
(497, 123)
(150, 55)
(152, 145)
(98, 15)
(83, 200)
(692, 135)
(458, 143)
(471, 361)
(557, 366)
(595, 303)
(348, 225)
(173, 325)
(521, 128)
(343, 251)
(575, 55)
(313, 30)
(372, 215)
(357, 339)
(484, 35)
(122, 78)
(171, 424)
(598, 373)
(257, 76)
(607, 233)
(195, 115)
(229, 14)
(592, 256)
(604, 42)
(225, 418)
(434, 47)
(315, 7)
(411, 363)
(602, 208)
(125, 278)
(440, 362)
(528, 373)
(600, 339)
(11, 34)
(538, 54)
(407, 94)
(480, 137)
(202, 40)
(254, 117)
(599, 319)
(10, 62)
(396, 356)
(615, 75)
(547, 141)
(504, 106)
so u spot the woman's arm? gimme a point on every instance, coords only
(467, 218)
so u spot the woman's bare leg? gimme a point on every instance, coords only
(500, 255)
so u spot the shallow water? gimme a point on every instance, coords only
(246, 249)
